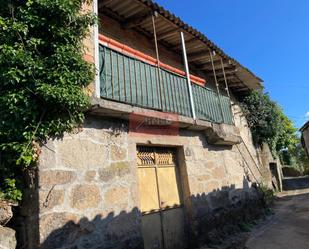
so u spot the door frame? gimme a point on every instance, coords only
(183, 185)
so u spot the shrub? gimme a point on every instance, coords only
(268, 195)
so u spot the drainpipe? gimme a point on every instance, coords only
(96, 51)
(184, 53)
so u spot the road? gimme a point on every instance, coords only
(288, 228)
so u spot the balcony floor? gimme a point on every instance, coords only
(218, 134)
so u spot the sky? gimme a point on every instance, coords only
(270, 37)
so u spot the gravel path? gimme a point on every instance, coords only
(288, 228)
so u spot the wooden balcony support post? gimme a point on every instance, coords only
(185, 59)
(227, 89)
(225, 80)
(161, 90)
(216, 82)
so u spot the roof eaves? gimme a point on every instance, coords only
(305, 126)
(176, 20)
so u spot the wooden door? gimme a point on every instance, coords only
(163, 223)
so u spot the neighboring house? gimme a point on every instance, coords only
(160, 161)
(305, 137)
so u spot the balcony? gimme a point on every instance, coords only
(129, 80)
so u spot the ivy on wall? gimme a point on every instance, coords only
(268, 123)
(42, 75)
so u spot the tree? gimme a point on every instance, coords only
(42, 75)
(268, 123)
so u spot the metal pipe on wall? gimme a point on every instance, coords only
(185, 59)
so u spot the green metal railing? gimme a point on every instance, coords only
(128, 80)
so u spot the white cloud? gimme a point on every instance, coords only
(307, 115)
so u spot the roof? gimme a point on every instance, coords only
(305, 126)
(135, 14)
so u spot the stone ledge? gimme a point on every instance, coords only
(223, 134)
(217, 134)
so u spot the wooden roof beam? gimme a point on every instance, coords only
(235, 84)
(227, 78)
(136, 20)
(217, 64)
(167, 34)
(219, 71)
(243, 89)
(104, 3)
(199, 55)
(202, 55)
(238, 85)
(124, 5)
(188, 43)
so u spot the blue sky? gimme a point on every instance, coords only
(270, 37)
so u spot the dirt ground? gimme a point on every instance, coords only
(288, 228)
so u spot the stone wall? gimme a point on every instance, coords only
(257, 158)
(305, 138)
(87, 191)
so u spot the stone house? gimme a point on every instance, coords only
(305, 137)
(165, 158)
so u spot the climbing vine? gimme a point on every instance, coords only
(42, 75)
(268, 123)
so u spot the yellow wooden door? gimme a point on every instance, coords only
(160, 195)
